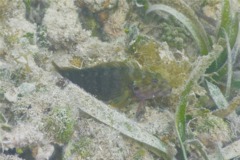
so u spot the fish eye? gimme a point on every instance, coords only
(154, 80)
(135, 88)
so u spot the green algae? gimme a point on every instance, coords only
(27, 4)
(139, 155)
(81, 147)
(30, 37)
(90, 22)
(185, 15)
(4, 7)
(148, 53)
(42, 39)
(60, 124)
(35, 10)
(11, 39)
(19, 75)
(174, 33)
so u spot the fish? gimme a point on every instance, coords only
(117, 83)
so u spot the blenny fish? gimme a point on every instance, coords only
(117, 83)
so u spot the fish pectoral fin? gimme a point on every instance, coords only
(121, 101)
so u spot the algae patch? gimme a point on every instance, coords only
(153, 58)
(60, 124)
(81, 147)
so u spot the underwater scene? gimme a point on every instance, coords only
(119, 80)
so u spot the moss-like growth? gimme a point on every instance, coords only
(11, 39)
(92, 21)
(80, 147)
(60, 124)
(4, 6)
(1, 96)
(28, 4)
(76, 61)
(92, 24)
(148, 53)
(20, 74)
(174, 33)
(19, 151)
(139, 155)
(3, 124)
(35, 10)
(30, 37)
(210, 129)
(42, 40)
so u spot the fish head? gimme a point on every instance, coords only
(150, 86)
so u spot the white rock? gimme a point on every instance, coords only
(11, 95)
(21, 26)
(22, 60)
(26, 88)
(45, 152)
(63, 26)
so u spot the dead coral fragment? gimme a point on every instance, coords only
(210, 129)
(114, 26)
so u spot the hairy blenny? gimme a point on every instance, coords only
(117, 82)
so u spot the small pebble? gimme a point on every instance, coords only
(11, 95)
(26, 88)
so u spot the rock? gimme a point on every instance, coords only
(45, 152)
(26, 88)
(11, 95)
(62, 25)
(114, 27)
(22, 60)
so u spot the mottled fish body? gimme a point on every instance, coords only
(117, 82)
(105, 81)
